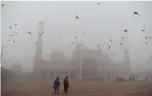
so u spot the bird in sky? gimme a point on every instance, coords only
(110, 39)
(83, 32)
(125, 30)
(120, 43)
(146, 37)
(150, 37)
(41, 33)
(135, 13)
(77, 17)
(2, 5)
(11, 35)
(76, 37)
(29, 32)
(98, 3)
(113, 54)
(109, 47)
(10, 27)
(143, 30)
(15, 24)
(146, 42)
(13, 41)
(72, 42)
(61, 38)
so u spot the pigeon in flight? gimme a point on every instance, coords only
(72, 42)
(98, 45)
(10, 27)
(76, 37)
(109, 47)
(143, 30)
(136, 13)
(98, 3)
(61, 38)
(2, 5)
(41, 33)
(15, 24)
(11, 35)
(83, 32)
(150, 37)
(29, 32)
(77, 17)
(146, 42)
(125, 30)
(146, 37)
(120, 43)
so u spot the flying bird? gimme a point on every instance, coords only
(98, 3)
(15, 24)
(135, 13)
(41, 33)
(125, 30)
(109, 47)
(113, 54)
(83, 32)
(13, 41)
(29, 32)
(150, 37)
(146, 42)
(77, 17)
(2, 5)
(76, 37)
(120, 43)
(110, 39)
(11, 35)
(61, 38)
(10, 27)
(146, 37)
(143, 30)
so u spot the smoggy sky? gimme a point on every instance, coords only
(99, 23)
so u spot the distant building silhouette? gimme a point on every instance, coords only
(84, 63)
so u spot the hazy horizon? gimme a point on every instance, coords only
(98, 22)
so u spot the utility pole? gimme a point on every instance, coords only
(79, 61)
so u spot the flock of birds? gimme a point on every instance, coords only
(76, 37)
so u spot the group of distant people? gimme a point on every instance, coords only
(56, 85)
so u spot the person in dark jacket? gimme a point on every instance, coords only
(66, 85)
(56, 85)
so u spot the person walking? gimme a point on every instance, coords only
(56, 85)
(66, 84)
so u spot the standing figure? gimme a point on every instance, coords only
(66, 85)
(56, 85)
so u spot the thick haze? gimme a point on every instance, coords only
(99, 22)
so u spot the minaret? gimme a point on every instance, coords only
(39, 43)
(126, 55)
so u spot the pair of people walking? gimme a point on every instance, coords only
(56, 85)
